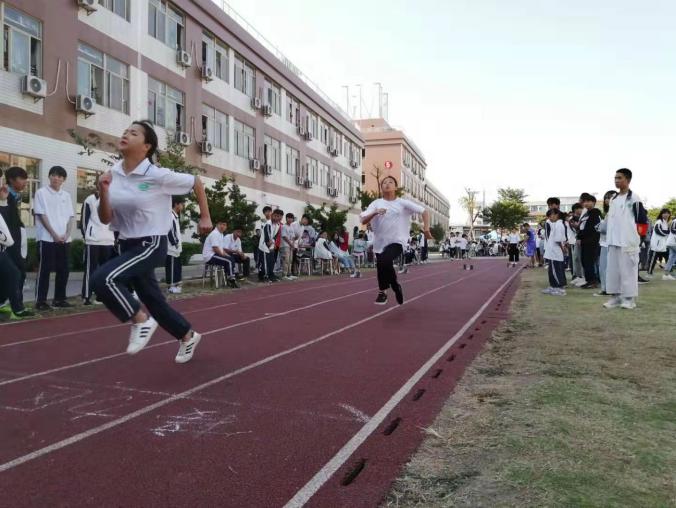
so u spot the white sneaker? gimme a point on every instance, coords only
(613, 303)
(628, 303)
(175, 289)
(558, 292)
(668, 277)
(580, 282)
(140, 335)
(547, 291)
(187, 349)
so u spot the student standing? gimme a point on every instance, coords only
(260, 263)
(658, 240)
(173, 270)
(99, 241)
(626, 210)
(556, 247)
(513, 239)
(135, 199)
(287, 247)
(271, 241)
(603, 243)
(17, 179)
(55, 218)
(588, 239)
(531, 243)
(390, 218)
(671, 251)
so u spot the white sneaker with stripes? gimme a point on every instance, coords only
(140, 335)
(187, 349)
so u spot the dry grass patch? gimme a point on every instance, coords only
(569, 404)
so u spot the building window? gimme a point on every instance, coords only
(274, 96)
(324, 132)
(292, 158)
(166, 24)
(86, 185)
(166, 105)
(119, 7)
(312, 170)
(22, 43)
(272, 153)
(32, 167)
(215, 127)
(245, 140)
(314, 126)
(245, 80)
(102, 78)
(323, 174)
(215, 55)
(292, 109)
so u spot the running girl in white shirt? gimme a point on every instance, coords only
(135, 199)
(390, 219)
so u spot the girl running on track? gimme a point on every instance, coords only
(135, 199)
(390, 219)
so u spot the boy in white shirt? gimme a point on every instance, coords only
(232, 245)
(288, 247)
(213, 253)
(556, 248)
(173, 270)
(53, 209)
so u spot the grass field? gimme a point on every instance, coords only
(570, 404)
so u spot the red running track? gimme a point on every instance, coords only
(302, 393)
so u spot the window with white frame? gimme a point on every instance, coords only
(312, 169)
(324, 132)
(119, 7)
(314, 126)
(245, 140)
(272, 153)
(166, 105)
(245, 80)
(215, 127)
(103, 78)
(274, 96)
(21, 42)
(292, 158)
(323, 174)
(292, 109)
(32, 167)
(166, 23)
(215, 55)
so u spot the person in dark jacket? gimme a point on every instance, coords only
(17, 179)
(588, 239)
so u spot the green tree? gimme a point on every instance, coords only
(329, 220)
(93, 145)
(505, 215)
(513, 195)
(438, 232)
(654, 212)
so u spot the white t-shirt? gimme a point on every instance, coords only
(215, 239)
(229, 242)
(514, 238)
(462, 243)
(621, 224)
(58, 208)
(141, 200)
(321, 249)
(395, 225)
(557, 234)
(6, 239)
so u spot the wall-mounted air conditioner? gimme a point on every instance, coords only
(84, 104)
(34, 86)
(182, 138)
(183, 58)
(207, 147)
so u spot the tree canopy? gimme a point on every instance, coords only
(508, 211)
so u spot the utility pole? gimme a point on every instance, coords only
(386, 105)
(347, 98)
(360, 101)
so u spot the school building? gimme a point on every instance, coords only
(200, 73)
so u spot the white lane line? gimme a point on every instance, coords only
(147, 409)
(329, 469)
(173, 341)
(95, 329)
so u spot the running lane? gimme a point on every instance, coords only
(248, 438)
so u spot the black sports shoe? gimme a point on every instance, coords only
(62, 304)
(396, 287)
(641, 280)
(42, 306)
(381, 299)
(233, 284)
(24, 313)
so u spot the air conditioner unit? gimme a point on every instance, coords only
(88, 5)
(300, 180)
(333, 151)
(34, 86)
(182, 138)
(256, 103)
(207, 147)
(207, 72)
(84, 104)
(308, 184)
(328, 149)
(267, 169)
(353, 199)
(183, 58)
(301, 131)
(307, 135)
(267, 110)
(254, 164)
(332, 191)
(354, 164)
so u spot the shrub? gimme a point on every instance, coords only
(190, 249)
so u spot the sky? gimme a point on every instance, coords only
(551, 96)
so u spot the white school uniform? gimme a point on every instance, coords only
(556, 236)
(96, 233)
(175, 250)
(623, 247)
(57, 206)
(215, 239)
(230, 243)
(321, 250)
(395, 225)
(141, 200)
(6, 239)
(514, 238)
